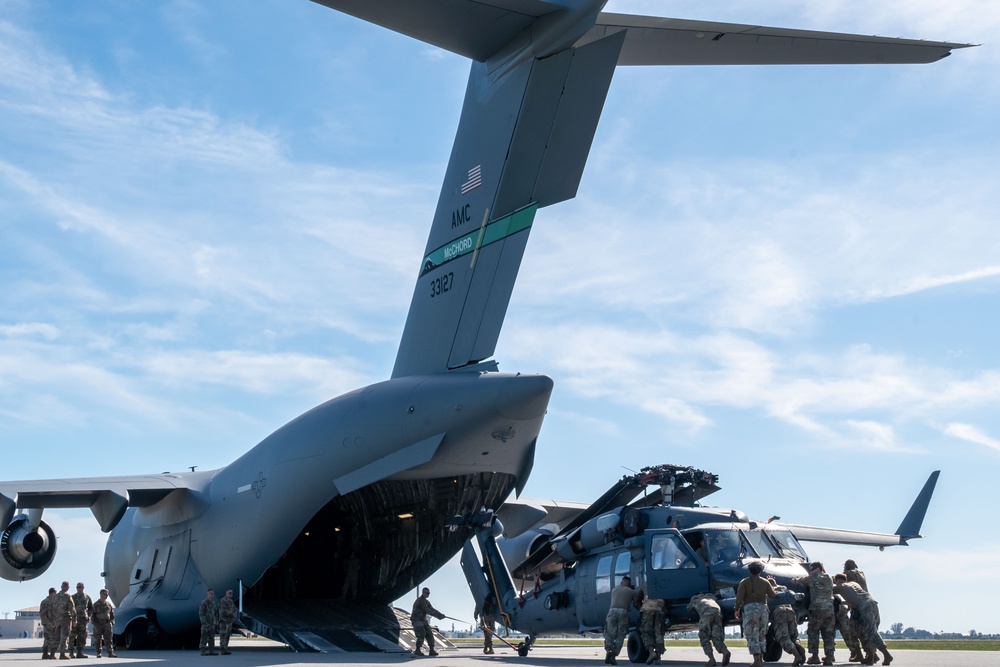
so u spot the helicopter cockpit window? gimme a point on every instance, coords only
(667, 554)
(788, 546)
(763, 546)
(603, 577)
(724, 546)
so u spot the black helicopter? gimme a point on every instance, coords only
(567, 557)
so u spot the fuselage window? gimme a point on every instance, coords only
(603, 578)
(622, 565)
(763, 546)
(667, 554)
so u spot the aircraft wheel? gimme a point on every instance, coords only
(637, 651)
(522, 649)
(136, 636)
(772, 649)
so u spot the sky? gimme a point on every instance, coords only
(212, 215)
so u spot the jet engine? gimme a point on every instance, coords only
(27, 547)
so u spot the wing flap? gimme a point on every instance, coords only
(665, 41)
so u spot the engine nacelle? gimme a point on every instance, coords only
(26, 553)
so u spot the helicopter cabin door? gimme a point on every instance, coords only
(673, 570)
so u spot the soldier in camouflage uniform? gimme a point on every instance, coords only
(865, 609)
(227, 616)
(208, 614)
(63, 616)
(623, 596)
(104, 622)
(651, 628)
(847, 627)
(487, 621)
(711, 627)
(422, 608)
(852, 573)
(821, 614)
(786, 630)
(855, 575)
(84, 610)
(48, 626)
(751, 608)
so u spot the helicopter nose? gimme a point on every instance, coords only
(524, 397)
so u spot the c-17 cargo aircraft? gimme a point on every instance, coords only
(353, 495)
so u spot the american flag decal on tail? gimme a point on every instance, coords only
(474, 181)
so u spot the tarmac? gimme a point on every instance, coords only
(264, 653)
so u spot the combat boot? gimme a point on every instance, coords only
(432, 652)
(45, 655)
(800, 656)
(63, 656)
(813, 660)
(887, 657)
(758, 660)
(827, 661)
(612, 659)
(869, 659)
(79, 653)
(854, 657)
(726, 656)
(710, 663)
(417, 651)
(112, 654)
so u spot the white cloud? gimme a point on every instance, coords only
(970, 433)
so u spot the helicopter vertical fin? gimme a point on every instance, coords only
(914, 519)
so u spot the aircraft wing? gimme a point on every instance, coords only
(664, 41)
(106, 497)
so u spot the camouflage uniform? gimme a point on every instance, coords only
(847, 627)
(63, 616)
(104, 622)
(227, 616)
(786, 631)
(711, 627)
(48, 627)
(616, 622)
(858, 577)
(487, 621)
(865, 615)
(208, 614)
(422, 608)
(84, 610)
(751, 601)
(821, 615)
(651, 628)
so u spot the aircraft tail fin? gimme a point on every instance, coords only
(522, 143)
(914, 519)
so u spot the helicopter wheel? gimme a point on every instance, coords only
(522, 649)
(637, 651)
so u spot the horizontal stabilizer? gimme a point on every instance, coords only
(474, 29)
(664, 41)
(909, 528)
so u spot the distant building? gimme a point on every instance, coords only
(27, 623)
